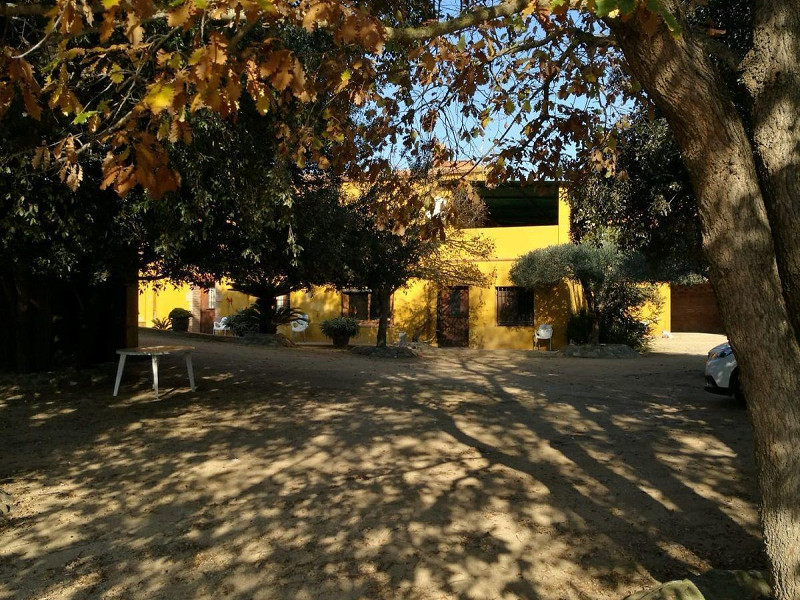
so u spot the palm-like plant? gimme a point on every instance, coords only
(162, 324)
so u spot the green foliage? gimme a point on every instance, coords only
(375, 256)
(647, 206)
(239, 210)
(162, 324)
(583, 263)
(245, 215)
(249, 319)
(48, 230)
(340, 327)
(179, 313)
(285, 315)
(244, 321)
(579, 327)
(612, 285)
(542, 268)
(621, 320)
(378, 257)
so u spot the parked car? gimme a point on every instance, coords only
(722, 372)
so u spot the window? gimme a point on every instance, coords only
(514, 306)
(212, 297)
(282, 302)
(356, 304)
(361, 305)
(515, 205)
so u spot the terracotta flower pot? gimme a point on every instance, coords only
(181, 324)
(340, 341)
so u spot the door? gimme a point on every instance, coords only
(452, 317)
(208, 310)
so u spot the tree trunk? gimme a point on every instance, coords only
(591, 308)
(266, 314)
(383, 297)
(772, 77)
(29, 340)
(740, 242)
(54, 323)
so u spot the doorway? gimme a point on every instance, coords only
(452, 317)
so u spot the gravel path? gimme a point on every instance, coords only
(314, 473)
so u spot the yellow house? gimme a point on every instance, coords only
(519, 219)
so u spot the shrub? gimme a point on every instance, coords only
(340, 327)
(162, 324)
(244, 321)
(621, 320)
(579, 327)
(285, 316)
(611, 281)
(179, 313)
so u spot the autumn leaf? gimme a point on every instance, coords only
(281, 79)
(83, 117)
(38, 156)
(319, 15)
(159, 97)
(31, 105)
(263, 103)
(6, 97)
(179, 17)
(134, 29)
(107, 26)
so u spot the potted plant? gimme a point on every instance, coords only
(180, 319)
(340, 330)
(161, 324)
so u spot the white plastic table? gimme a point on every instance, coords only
(155, 352)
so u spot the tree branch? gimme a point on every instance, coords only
(471, 18)
(465, 20)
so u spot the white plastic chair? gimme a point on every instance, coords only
(300, 325)
(543, 332)
(221, 325)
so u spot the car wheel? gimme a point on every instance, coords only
(736, 387)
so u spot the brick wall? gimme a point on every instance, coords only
(694, 308)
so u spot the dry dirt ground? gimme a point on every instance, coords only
(312, 473)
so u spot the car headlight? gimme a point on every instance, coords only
(720, 353)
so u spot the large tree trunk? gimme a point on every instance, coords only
(772, 76)
(383, 297)
(53, 323)
(751, 256)
(29, 339)
(266, 314)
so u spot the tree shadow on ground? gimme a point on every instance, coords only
(306, 474)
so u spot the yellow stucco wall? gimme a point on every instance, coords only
(157, 301)
(414, 310)
(230, 301)
(414, 307)
(659, 316)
